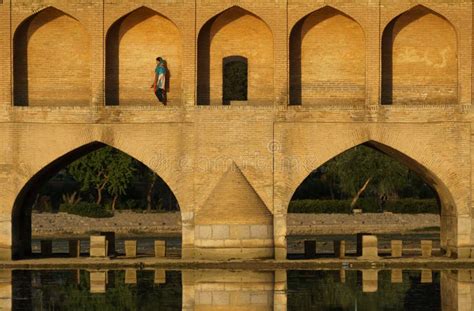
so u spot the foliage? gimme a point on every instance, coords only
(364, 169)
(104, 169)
(62, 292)
(43, 204)
(322, 290)
(235, 81)
(71, 199)
(363, 172)
(408, 206)
(86, 209)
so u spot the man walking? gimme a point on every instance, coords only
(159, 84)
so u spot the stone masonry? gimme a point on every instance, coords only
(323, 77)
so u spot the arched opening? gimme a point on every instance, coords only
(374, 189)
(235, 32)
(132, 45)
(419, 59)
(327, 59)
(52, 61)
(95, 188)
(234, 79)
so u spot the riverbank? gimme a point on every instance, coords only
(169, 224)
(352, 263)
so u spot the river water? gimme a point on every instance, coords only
(237, 290)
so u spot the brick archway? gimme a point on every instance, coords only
(419, 59)
(235, 32)
(52, 60)
(22, 208)
(327, 59)
(133, 43)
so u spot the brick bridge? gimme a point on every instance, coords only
(323, 77)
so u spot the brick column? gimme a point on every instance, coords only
(189, 36)
(5, 57)
(373, 55)
(97, 37)
(281, 57)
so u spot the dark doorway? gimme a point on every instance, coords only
(234, 79)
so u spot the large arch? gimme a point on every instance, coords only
(419, 59)
(21, 212)
(235, 32)
(327, 59)
(444, 195)
(132, 44)
(52, 61)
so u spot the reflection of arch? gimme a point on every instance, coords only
(21, 213)
(327, 58)
(234, 79)
(235, 31)
(419, 59)
(132, 44)
(51, 63)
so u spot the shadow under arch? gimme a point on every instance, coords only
(444, 196)
(205, 36)
(113, 39)
(22, 207)
(388, 36)
(297, 35)
(21, 38)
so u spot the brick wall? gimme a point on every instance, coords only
(420, 62)
(193, 147)
(51, 61)
(236, 32)
(327, 59)
(133, 44)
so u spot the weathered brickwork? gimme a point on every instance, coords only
(419, 67)
(327, 54)
(76, 74)
(130, 58)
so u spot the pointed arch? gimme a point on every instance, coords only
(22, 207)
(133, 42)
(419, 59)
(235, 32)
(445, 195)
(51, 61)
(327, 59)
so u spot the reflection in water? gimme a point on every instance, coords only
(363, 290)
(237, 290)
(457, 290)
(231, 290)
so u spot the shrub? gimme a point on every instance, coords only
(86, 209)
(320, 206)
(408, 206)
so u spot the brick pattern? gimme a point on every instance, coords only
(52, 61)
(133, 44)
(327, 59)
(247, 291)
(274, 146)
(419, 59)
(235, 32)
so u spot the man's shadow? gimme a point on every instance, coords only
(167, 83)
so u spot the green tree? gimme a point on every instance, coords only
(120, 174)
(104, 169)
(363, 169)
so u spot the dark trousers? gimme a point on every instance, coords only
(161, 95)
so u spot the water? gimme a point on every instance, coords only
(237, 290)
(145, 246)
